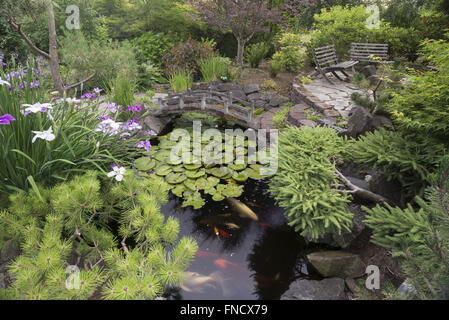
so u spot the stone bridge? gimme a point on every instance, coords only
(223, 105)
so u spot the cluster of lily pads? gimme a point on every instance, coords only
(192, 181)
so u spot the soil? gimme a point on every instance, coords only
(261, 76)
(372, 254)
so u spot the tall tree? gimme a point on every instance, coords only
(243, 17)
(14, 9)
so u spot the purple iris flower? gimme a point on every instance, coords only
(134, 108)
(89, 96)
(6, 119)
(145, 144)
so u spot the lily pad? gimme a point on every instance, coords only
(194, 200)
(175, 178)
(179, 168)
(163, 170)
(219, 172)
(190, 184)
(192, 166)
(212, 181)
(162, 156)
(254, 174)
(201, 183)
(240, 176)
(193, 174)
(232, 191)
(179, 190)
(237, 167)
(145, 164)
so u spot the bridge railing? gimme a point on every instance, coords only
(203, 100)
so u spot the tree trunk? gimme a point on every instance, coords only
(240, 51)
(54, 58)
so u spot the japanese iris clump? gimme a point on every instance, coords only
(46, 142)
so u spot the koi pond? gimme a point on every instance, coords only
(240, 258)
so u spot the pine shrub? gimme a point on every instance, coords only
(72, 224)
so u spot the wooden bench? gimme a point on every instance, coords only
(366, 52)
(326, 61)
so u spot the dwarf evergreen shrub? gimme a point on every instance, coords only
(306, 184)
(70, 225)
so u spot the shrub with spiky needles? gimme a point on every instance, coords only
(71, 224)
(306, 184)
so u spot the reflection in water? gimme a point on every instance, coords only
(245, 259)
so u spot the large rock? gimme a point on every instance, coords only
(251, 88)
(223, 87)
(239, 94)
(369, 71)
(296, 115)
(380, 122)
(338, 264)
(157, 124)
(359, 122)
(276, 101)
(255, 96)
(327, 289)
(392, 190)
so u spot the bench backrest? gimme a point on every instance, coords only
(325, 56)
(362, 51)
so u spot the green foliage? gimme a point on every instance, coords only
(279, 119)
(421, 107)
(151, 47)
(306, 183)
(186, 56)
(403, 158)
(72, 224)
(180, 80)
(149, 75)
(255, 53)
(122, 91)
(290, 53)
(419, 237)
(275, 68)
(342, 25)
(75, 147)
(214, 68)
(210, 174)
(107, 59)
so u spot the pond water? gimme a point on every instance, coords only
(257, 260)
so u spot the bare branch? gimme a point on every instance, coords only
(17, 27)
(360, 192)
(81, 82)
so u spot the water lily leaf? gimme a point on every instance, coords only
(145, 164)
(232, 191)
(193, 174)
(218, 172)
(192, 166)
(212, 181)
(194, 200)
(163, 170)
(237, 167)
(174, 161)
(253, 174)
(240, 176)
(162, 156)
(201, 183)
(179, 168)
(179, 190)
(190, 184)
(218, 196)
(175, 178)
(167, 144)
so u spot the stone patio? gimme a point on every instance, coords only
(332, 101)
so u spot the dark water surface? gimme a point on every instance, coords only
(257, 261)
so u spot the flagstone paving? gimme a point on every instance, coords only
(337, 96)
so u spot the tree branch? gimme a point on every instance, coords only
(360, 192)
(16, 27)
(81, 82)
